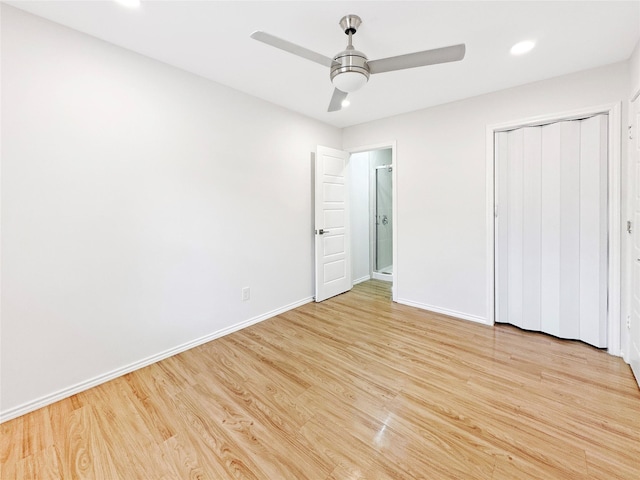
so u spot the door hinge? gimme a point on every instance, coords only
(495, 211)
(629, 227)
(630, 132)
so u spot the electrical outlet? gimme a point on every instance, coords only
(246, 294)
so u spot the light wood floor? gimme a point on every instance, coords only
(355, 387)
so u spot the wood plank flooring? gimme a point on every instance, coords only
(353, 388)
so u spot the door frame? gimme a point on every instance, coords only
(613, 110)
(394, 207)
(632, 186)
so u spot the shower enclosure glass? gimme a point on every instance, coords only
(383, 258)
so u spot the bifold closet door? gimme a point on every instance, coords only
(551, 229)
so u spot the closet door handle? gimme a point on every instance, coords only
(322, 231)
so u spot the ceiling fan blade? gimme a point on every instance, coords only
(336, 100)
(418, 59)
(287, 46)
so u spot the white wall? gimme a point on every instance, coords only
(634, 71)
(440, 162)
(137, 201)
(359, 172)
(380, 157)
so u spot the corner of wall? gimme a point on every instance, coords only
(634, 72)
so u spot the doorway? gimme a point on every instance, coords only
(371, 181)
(551, 228)
(613, 208)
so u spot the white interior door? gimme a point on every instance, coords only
(333, 256)
(634, 321)
(551, 229)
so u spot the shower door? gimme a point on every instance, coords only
(383, 258)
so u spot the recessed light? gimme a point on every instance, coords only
(129, 3)
(521, 48)
(345, 103)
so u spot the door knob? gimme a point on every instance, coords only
(322, 231)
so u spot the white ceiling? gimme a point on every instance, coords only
(211, 38)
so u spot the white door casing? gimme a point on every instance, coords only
(332, 240)
(634, 321)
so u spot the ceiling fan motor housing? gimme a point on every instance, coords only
(351, 71)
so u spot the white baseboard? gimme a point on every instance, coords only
(635, 368)
(634, 361)
(362, 279)
(93, 382)
(385, 277)
(445, 311)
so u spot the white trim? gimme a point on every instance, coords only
(394, 223)
(385, 277)
(361, 279)
(1, 196)
(635, 368)
(394, 208)
(614, 318)
(371, 148)
(490, 217)
(445, 311)
(613, 110)
(372, 214)
(555, 117)
(95, 381)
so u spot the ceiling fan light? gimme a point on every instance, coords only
(349, 81)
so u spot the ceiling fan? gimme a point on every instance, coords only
(350, 69)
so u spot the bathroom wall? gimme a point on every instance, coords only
(384, 211)
(359, 203)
